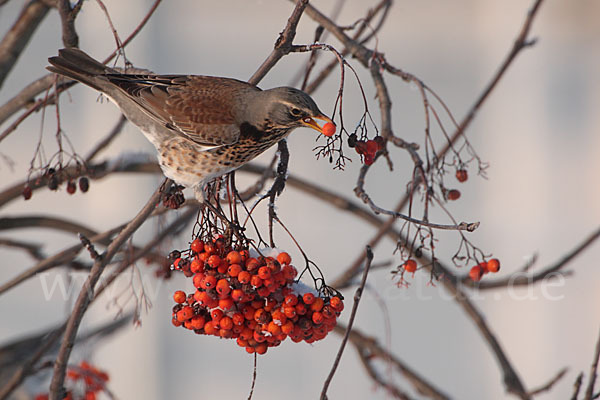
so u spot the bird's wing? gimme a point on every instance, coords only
(199, 107)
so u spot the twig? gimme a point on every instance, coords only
(550, 384)
(83, 300)
(283, 45)
(589, 392)
(253, 379)
(357, 296)
(577, 386)
(27, 95)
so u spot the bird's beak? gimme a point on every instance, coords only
(311, 123)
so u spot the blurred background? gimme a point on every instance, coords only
(539, 131)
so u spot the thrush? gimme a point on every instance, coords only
(202, 126)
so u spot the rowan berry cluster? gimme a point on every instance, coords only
(477, 272)
(254, 300)
(83, 382)
(367, 148)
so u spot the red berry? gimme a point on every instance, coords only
(372, 147)
(494, 265)
(453, 194)
(328, 129)
(223, 287)
(284, 258)
(234, 257)
(368, 159)
(197, 246)
(179, 296)
(209, 282)
(71, 187)
(308, 298)
(410, 265)
(476, 273)
(462, 175)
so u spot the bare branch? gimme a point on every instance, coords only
(86, 295)
(283, 45)
(17, 38)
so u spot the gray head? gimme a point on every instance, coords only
(287, 107)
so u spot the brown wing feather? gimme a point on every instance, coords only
(200, 107)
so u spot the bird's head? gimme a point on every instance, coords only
(287, 107)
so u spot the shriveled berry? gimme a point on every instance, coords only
(27, 192)
(462, 175)
(53, 183)
(84, 184)
(352, 139)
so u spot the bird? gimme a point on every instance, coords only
(201, 126)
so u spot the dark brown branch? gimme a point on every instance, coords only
(589, 392)
(283, 45)
(17, 38)
(86, 295)
(67, 19)
(357, 297)
(28, 367)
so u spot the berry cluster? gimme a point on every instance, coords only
(367, 148)
(54, 178)
(251, 299)
(85, 376)
(477, 272)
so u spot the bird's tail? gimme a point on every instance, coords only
(76, 64)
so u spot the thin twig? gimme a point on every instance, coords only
(589, 392)
(357, 297)
(550, 384)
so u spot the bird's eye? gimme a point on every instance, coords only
(295, 112)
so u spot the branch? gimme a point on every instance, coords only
(17, 38)
(283, 45)
(27, 95)
(357, 297)
(589, 392)
(86, 294)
